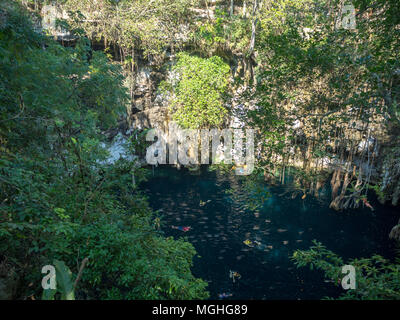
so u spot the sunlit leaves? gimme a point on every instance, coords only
(199, 94)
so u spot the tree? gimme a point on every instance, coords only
(199, 92)
(59, 199)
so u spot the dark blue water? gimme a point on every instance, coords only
(239, 209)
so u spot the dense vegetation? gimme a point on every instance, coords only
(322, 98)
(59, 198)
(198, 94)
(376, 277)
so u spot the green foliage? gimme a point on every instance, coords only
(64, 281)
(64, 284)
(59, 199)
(224, 32)
(140, 24)
(199, 92)
(376, 277)
(336, 85)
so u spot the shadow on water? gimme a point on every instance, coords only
(216, 206)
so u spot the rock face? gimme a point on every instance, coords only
(50, 14)
(144, 89)
(148, 109)
(153, 117)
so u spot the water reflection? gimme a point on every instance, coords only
(226, 210)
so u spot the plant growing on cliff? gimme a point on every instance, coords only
(198, 95)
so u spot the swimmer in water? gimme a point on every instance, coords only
(234, 275)
(181, 228)
(367, 204)
(224, 295)
(203, 203)
(248, 243)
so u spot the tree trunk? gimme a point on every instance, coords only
(253, 28)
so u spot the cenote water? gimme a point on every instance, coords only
(223, 211)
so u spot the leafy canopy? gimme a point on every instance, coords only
(199, 92)
(59, 199)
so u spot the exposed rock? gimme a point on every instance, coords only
(395, 233)
(148, 109)
(51, 13)
(156, 117)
